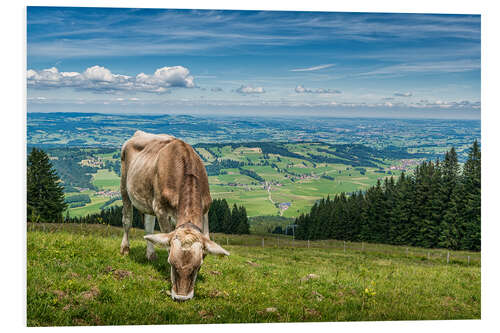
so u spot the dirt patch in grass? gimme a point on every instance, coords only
(60, 294)
(312, 312)
(118, 274)
(90, 294)
(251, 263)
(218, 293)
(206, 314)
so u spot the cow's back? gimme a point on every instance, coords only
(138, 158)
(140, 141)
(181, 170)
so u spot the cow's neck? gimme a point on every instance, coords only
(189, 209)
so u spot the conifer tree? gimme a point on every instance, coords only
(235, 220)
(243, 225)
(471, 214)
(213, 217)
(45, 196)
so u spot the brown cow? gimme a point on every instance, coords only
(164, 177)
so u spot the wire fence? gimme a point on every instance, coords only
(284, 242)
(280, 241)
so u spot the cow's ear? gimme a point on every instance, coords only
(213, 248)
(159, 239)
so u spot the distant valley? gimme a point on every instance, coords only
(272, 166)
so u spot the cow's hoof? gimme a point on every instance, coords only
(124, 250)
(151, 256)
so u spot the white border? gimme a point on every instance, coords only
(13, 20)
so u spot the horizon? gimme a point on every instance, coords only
(268, 116)
(269, 63)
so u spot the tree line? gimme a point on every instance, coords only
(437, 206)
(222, 219)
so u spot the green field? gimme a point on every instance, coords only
(294, 180)
(76, 276)
(106, 180)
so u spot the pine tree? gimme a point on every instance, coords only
(243, 226)
(235, 220)
(213, 220)
(452, 194)
(471, 214)
(45, 195)
(225, 217)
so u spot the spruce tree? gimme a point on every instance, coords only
(225, 217)
(235, 220)
(45, 196)
(471, 214)
(243, 226)
(213, 218)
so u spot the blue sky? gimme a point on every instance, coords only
(251, 62)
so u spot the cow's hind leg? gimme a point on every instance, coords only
(205, 224)
(127, 223)
(149, 227)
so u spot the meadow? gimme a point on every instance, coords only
(76, 276)
(296, 181)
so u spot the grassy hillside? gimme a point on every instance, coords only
(76, 276)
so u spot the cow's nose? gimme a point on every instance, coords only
(177, 297)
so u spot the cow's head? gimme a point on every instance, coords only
(187, 248)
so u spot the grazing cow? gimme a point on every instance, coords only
(164, 177)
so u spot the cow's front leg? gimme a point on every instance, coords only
(127, 223)
(149, 228)
(205, 225)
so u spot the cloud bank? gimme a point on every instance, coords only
(101, 79)
(301, 90)
(405, 94)
(250, 90)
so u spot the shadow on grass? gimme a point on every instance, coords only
(138, 254)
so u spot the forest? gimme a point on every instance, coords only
(221, 218)
(437, 206)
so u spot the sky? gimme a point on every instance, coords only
(267, 63)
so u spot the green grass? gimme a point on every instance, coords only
(106, 180)
(76, 276)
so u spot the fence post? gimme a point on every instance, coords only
(448, 257)
(468, 260)
(344, 246)
(262, 242)
(406, 252)
(428, 256)
(308, 243)
(227, 241)
(362, 246)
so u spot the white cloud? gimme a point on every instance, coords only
(301, 90)
(101, 79)
(250, 90)
(309, 69)
(98, 73)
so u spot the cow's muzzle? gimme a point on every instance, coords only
(177, 297)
